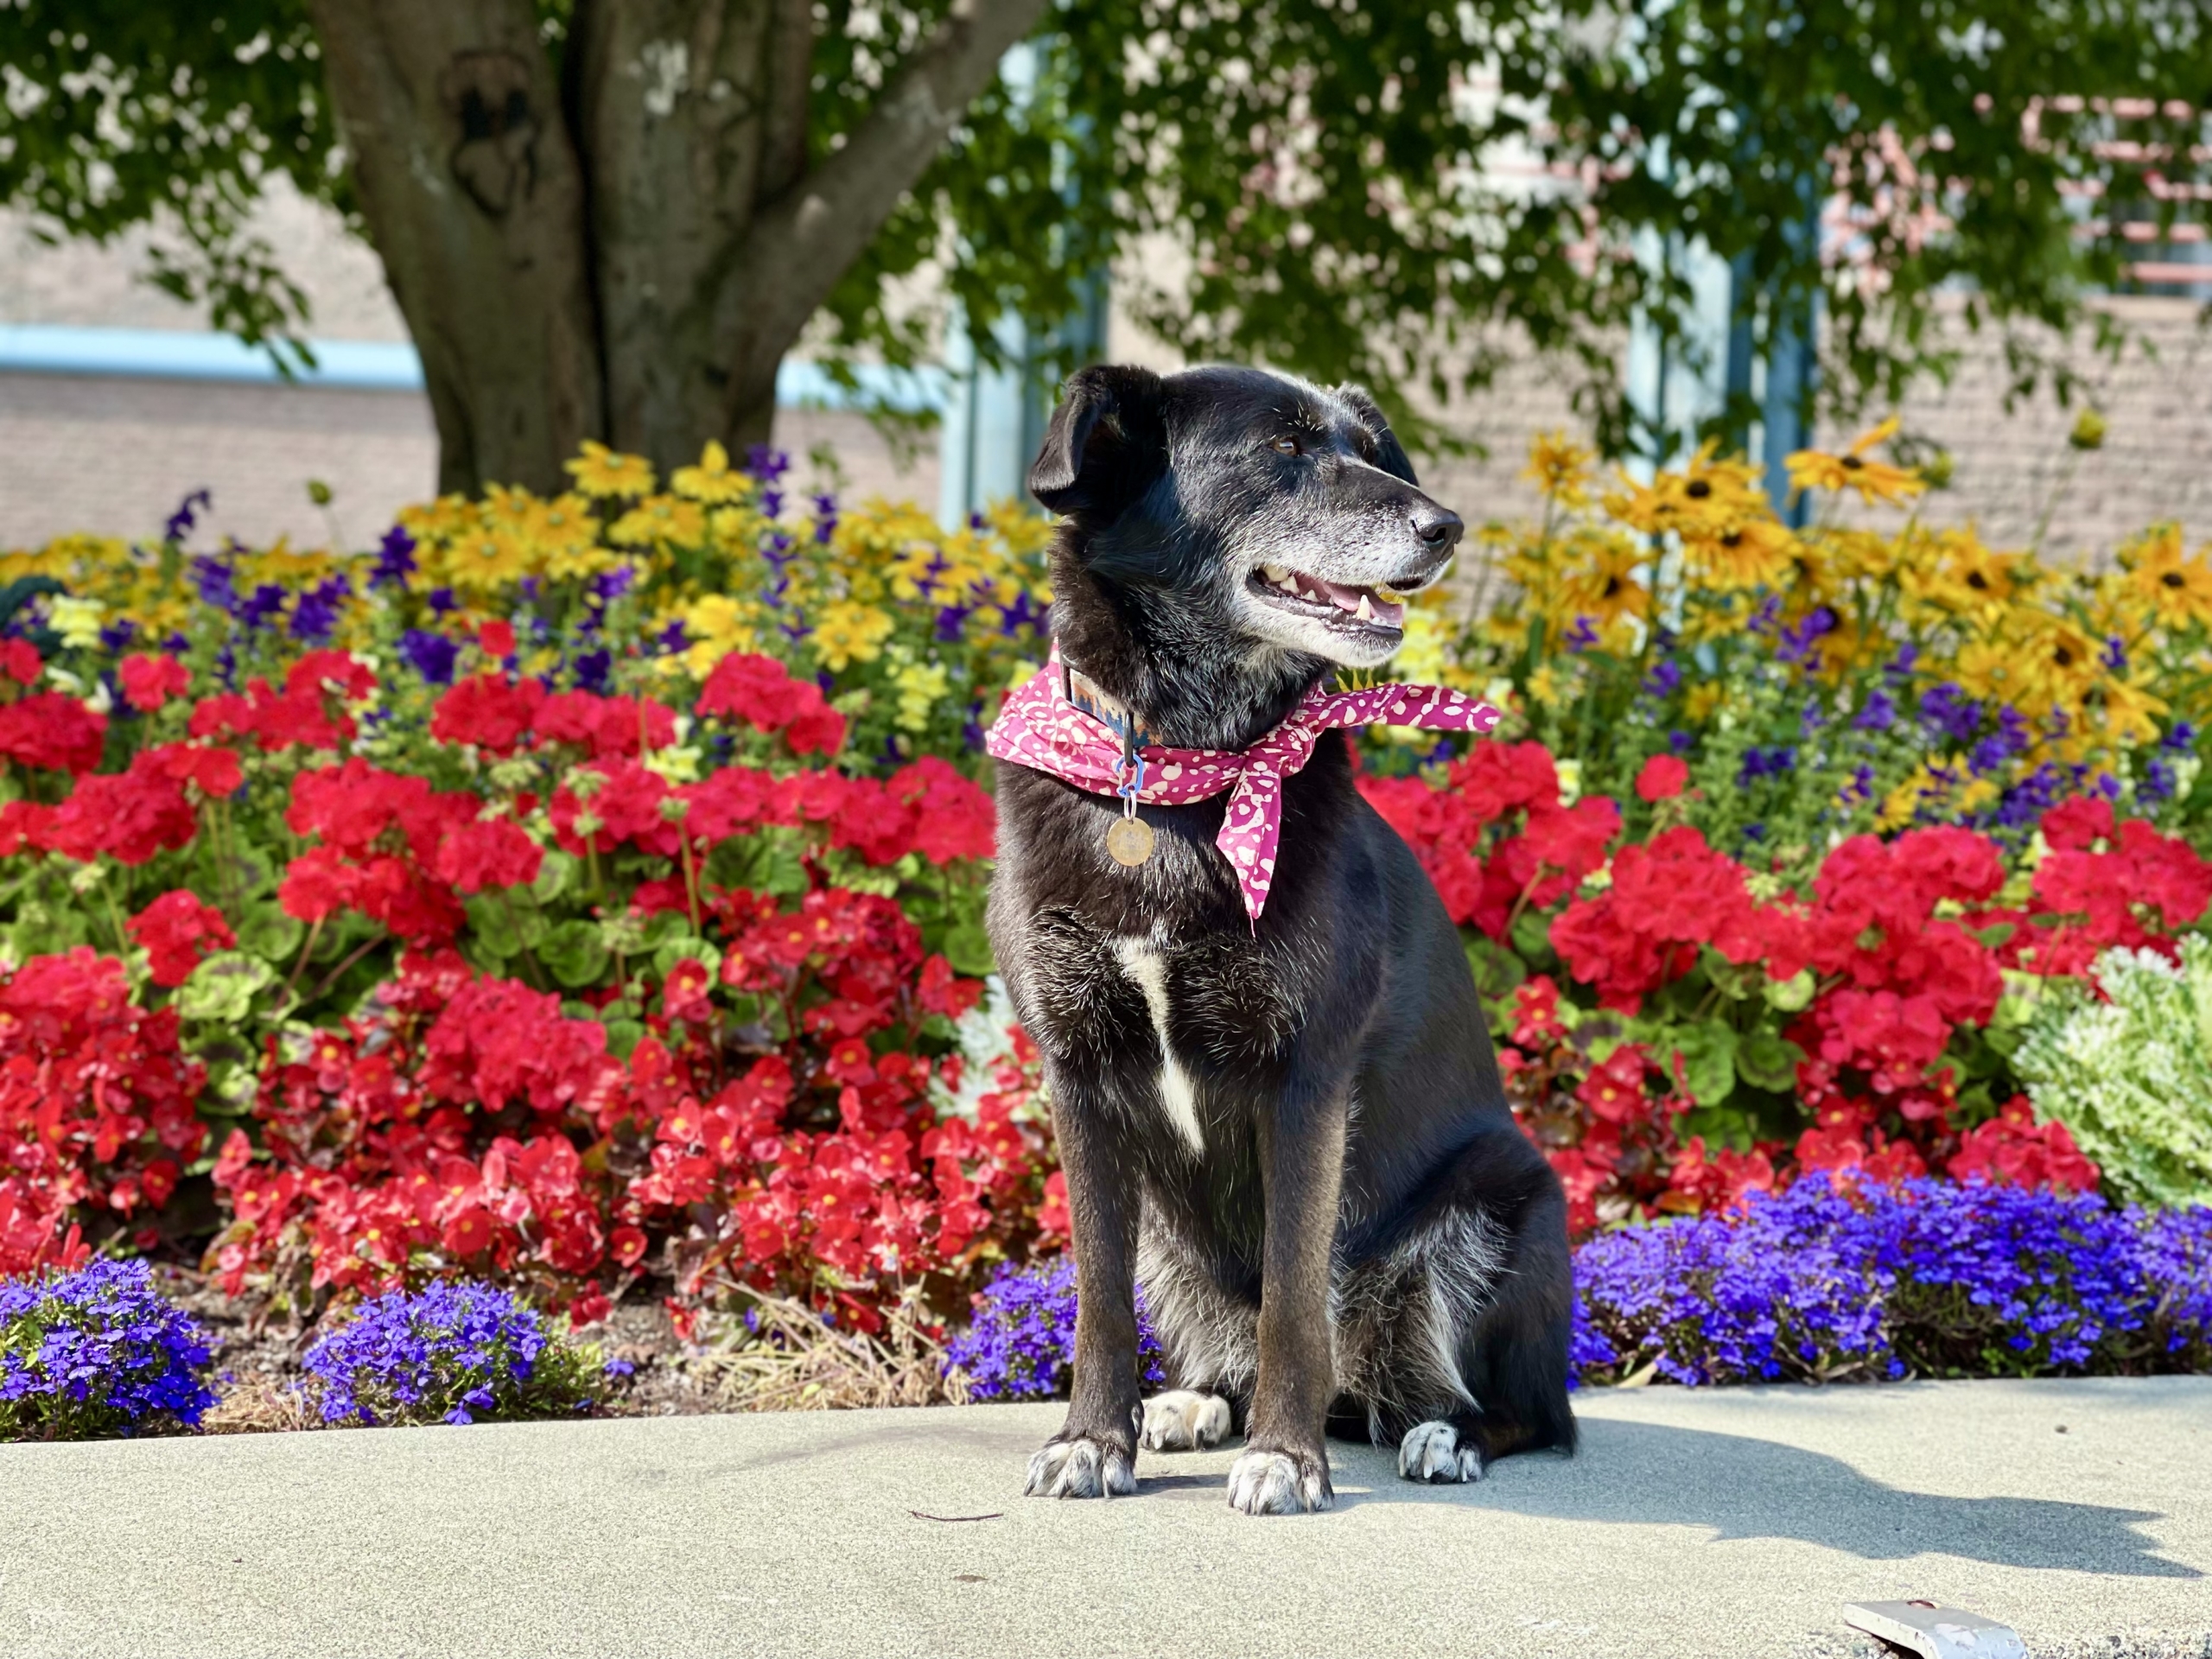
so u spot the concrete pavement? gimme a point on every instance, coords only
(1727, 1521)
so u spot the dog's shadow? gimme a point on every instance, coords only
(1738, 1486)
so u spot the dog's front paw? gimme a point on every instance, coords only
(1280, 1482)
(1432, 1451)
(1183, 1419)
(1081, 1467)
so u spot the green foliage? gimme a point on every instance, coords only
(121, 114)
(1400, 194)
(2131, 1076)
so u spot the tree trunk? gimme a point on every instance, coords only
(714, 241)
(475, 200)
(630, 257)
(692, 111)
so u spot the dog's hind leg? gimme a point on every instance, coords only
(1208, 1346)
(1497, 1314)
(1184, 1420)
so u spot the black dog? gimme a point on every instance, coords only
(1294, 1133)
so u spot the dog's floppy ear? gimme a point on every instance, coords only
(1105, 442)
(1391, 454)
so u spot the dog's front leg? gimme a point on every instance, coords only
(1284, 1469)
(1094, 1455)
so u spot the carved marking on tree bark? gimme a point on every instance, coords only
(495, 157)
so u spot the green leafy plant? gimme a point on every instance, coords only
(2131, 1074)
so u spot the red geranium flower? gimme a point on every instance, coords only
(150, 679)
(1662, 778)
(175, 928)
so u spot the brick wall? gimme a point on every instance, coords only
(115, 454)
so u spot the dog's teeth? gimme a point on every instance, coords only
(1287, 582)
(1387, 594)
(1275, 574)
(1366, 612)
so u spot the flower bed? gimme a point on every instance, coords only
(1790, 830)
(495, 904)
(1832, 1280)
(584, 894)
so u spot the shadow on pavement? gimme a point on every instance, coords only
(1743, 1487)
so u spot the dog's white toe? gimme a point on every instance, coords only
(1183, 1419)
(1081, 1467)
(1279, 1483)
(1432, 1451)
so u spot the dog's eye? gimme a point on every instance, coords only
(1288, 447)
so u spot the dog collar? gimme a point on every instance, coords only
(1102, 749)
(1103, 707)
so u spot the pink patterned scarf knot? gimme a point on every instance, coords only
(1041, 729)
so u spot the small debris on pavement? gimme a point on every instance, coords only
(1935, 1632)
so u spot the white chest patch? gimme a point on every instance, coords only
(1147, 970)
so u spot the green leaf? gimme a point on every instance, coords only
(1532, 935)
(554, 876)
(674, 950)
(784, 873)
(1767, 1061)
(1708, 1053)
(222, 986)
(43, 929)
(574, 953)
(968, 948)
(248, 873)
(502, 927)
(623, 1037)
(269, 933)
(1791, 995)
(1497, 969)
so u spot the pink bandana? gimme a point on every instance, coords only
(1041, 729)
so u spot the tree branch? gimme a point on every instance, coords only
(804, 241)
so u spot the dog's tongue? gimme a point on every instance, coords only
(1387, 612)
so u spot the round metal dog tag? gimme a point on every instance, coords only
(1129, 841)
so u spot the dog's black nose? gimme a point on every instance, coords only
(1437, 528)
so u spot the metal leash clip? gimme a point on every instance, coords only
(1129, 841)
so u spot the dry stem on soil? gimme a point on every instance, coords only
(788, 1360)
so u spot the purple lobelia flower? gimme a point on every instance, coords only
(1022, 1343)
(445, 1355)
(99, 1351)
(1928, 1277)
(1818, 1282)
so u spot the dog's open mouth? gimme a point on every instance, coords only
(1376, 609)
